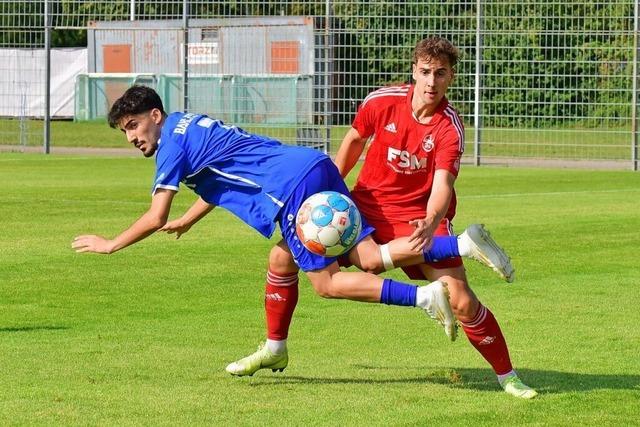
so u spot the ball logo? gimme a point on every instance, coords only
(427, 143)
(328, 223)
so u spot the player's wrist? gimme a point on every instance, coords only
(430, 219)
(110, 247)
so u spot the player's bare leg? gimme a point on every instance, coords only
(330, 282)
(368, 256)
(475, 243)
(481, 328)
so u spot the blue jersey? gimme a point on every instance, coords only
(251, 176)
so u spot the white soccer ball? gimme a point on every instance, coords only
(328, 223)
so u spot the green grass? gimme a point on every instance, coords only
(570, 143)
(63, 133)
(142, 337)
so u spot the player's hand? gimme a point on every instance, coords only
(176, 226)
(92, 243)
(422, 235)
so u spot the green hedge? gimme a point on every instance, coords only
(545, 64)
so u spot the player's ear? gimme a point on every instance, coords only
(156, 116)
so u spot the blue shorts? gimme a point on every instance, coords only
(324, 176)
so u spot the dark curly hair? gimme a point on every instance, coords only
(435, 47)
(137, 99)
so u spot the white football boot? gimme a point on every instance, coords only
(261, 359)
(515, 387)
(486, 251)
(434, 300)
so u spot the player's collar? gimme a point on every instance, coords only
(436, 114)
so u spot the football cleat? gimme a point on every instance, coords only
(486, 251)
(261, 359)
(439, 308)
(515, 387)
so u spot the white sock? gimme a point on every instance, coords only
(503, 377)
(276, 347)
(463, 246)
(422, 297)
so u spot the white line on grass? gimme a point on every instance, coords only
(55, 158)
(89, 202)
(548, 193)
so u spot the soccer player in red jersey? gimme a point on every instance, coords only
(405, 189)
(406, 185)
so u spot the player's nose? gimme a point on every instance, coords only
(431, 80)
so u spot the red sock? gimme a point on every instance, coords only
(280, 299)
(484, 334)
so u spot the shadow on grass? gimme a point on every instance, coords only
(545, 381)
(32, 328)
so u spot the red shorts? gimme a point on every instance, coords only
(387, 231)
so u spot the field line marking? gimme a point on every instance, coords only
(94, 202)
(549, 193)
(60, 158)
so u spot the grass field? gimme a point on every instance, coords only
(142, 337)
(570, 143)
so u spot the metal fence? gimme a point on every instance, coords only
(539, 82)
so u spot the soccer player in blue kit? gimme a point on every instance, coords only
(263, 183)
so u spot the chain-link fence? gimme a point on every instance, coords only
(538, 81)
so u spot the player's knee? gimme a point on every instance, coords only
(281, 261)
(325, 289)
(464, 310)
(372, 265)
(370, 262)
(367, 257)
(464, 305)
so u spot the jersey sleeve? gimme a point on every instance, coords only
(450, 152)
(364, 122)
(170, 167)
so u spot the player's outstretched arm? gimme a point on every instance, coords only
(349, 152)
(195, 213)
(146, 225)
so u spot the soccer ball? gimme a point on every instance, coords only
(328, 223)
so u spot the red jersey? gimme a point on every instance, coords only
(396, 178)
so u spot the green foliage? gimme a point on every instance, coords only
(21, 23)
(542, 72)
(374, 43)
(544, 63)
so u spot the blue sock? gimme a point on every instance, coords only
(443, 247)
(398, 293)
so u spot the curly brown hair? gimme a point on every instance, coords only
(137, 99)
(435, 47)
